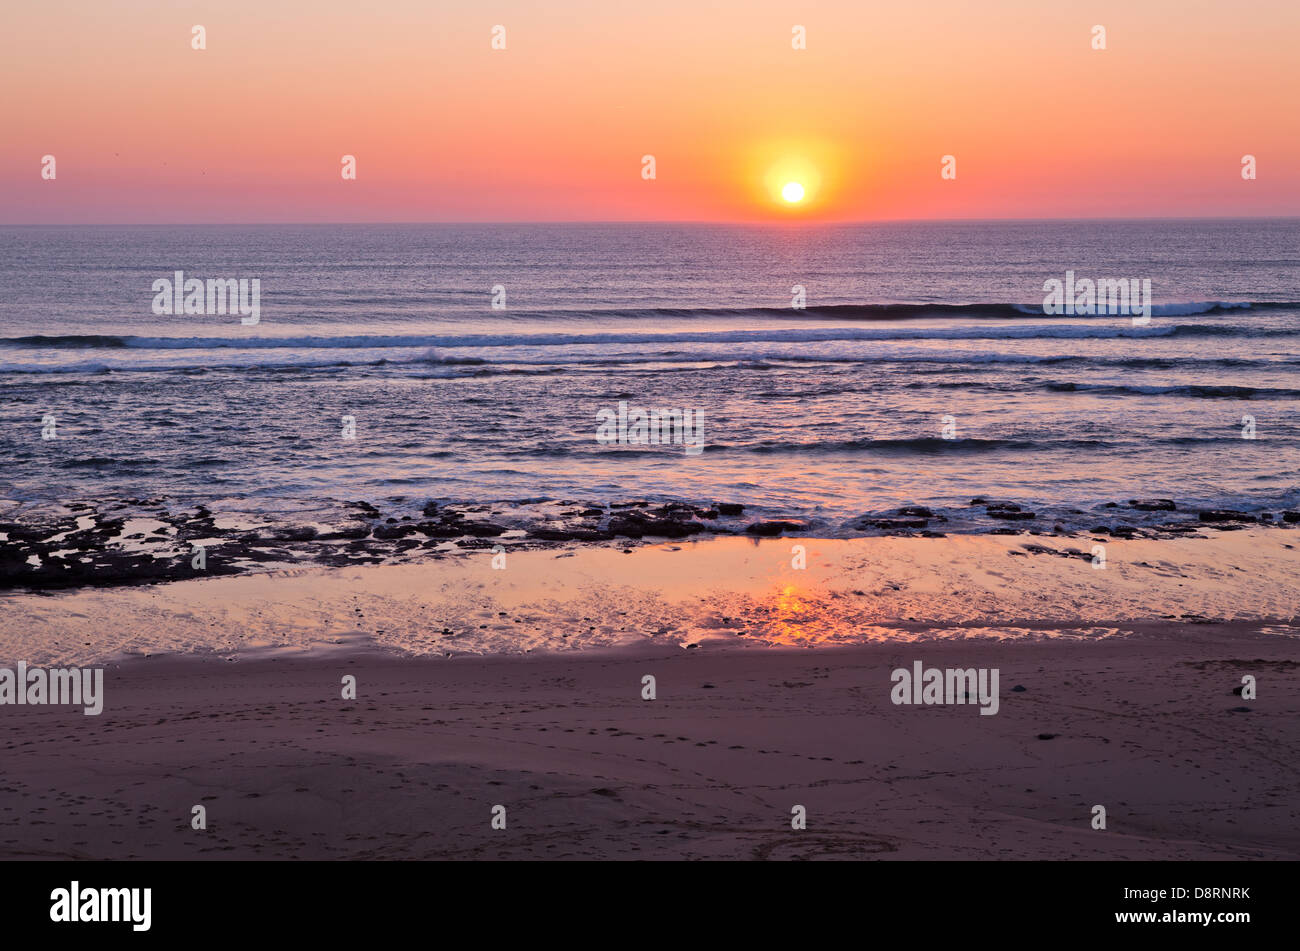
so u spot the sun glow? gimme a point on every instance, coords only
(792, 179)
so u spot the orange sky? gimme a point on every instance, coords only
(146, 129)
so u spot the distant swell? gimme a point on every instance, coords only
(920, 311)
(997, 310)
(924, 361)
(933, 445)
(1208, 392)
(923, 445)
(1103, 328)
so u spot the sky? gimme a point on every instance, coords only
(253, 128)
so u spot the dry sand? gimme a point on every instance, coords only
(711, 768)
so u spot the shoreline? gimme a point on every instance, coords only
(79, 544)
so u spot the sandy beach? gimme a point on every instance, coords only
(709, 769)
(772, 690)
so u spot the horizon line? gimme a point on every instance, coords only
(630, 221)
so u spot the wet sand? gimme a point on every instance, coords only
(735, 591)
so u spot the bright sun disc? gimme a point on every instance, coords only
(793, 191)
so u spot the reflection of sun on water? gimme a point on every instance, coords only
(799, 614)
(796, 617)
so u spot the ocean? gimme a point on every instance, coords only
(921, 372)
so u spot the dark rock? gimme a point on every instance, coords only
(569, 534)
(655, 528)
(775, 527)
(730, 508)
(629, 528)
(358, 532)
(1240, 710)
(669, 529)
(1048, 736)
(1291, 517)
(638, 525)
(1018, 688)
(1153, 505)
(1224, 515)
(918, 511)
(483, 529)
(1008, 511)
(673, 510)
(34, 533)
(891, 524)
(304, 534)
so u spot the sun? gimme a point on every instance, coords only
(792, 178)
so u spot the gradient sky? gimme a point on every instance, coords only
(252, 129)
